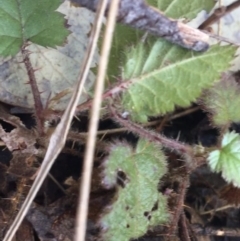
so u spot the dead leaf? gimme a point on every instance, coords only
(56, 69)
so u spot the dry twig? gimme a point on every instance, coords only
(137, 14)
(95, 114)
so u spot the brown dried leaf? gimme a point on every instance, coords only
(20, 138)
(57, 69)
(22, 165)
(231, 194)
(3, 170)
(25, 232)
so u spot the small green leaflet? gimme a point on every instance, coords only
(163, 76)
(223, 101)
(138, 205)
(28, 20)
(182, 8)
(227, 158)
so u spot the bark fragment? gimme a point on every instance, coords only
(138, 14)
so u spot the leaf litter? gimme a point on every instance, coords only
(56, 69)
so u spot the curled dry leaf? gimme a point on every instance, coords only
(231, 194)
(21, 165)
(25, 232)
(55, 222)
(56, 69)
(20, 138)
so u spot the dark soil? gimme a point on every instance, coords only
(53, 212)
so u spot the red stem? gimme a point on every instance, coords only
(35, 91)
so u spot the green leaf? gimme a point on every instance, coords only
(227, 158)
(182, 8)
(138, 204)
(57, 69)
(28, 20)
(123, 36)
(162, 75)
(222, 101)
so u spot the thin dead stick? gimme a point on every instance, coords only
(221, 38)
(58, 137)
(216, 231)
(219, 13)
(218, 209)
(82, 212)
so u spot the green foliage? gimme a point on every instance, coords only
(125, 36)
(57, 68)
(227, 158)
(222, 101)
(161, 76)
(183, 8)
(164, 75)
(138, 205)
(35, 21)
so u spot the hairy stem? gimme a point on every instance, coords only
(174, 145)
(183, 233)
(111, 93)
(35, 91)
(183, 185)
